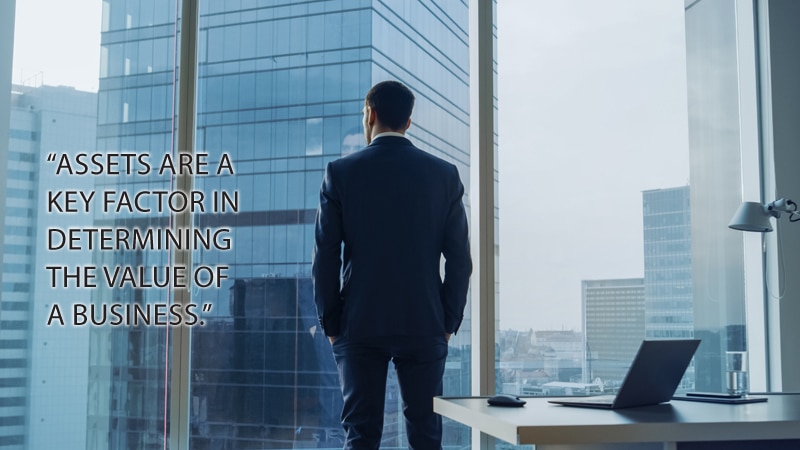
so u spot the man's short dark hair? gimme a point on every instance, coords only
(392, 102)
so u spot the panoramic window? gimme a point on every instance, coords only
(280, 92)
(619, 169)
(618, 162)
(85, 109)
(595, 194)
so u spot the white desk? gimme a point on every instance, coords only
(545, 424)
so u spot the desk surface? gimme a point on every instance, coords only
(539, 422)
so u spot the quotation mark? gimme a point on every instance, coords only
(51, 157)
(206, 308)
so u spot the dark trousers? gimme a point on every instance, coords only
(363, 365)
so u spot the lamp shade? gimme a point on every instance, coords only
(751, 216)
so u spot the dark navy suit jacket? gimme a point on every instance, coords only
(397, 209)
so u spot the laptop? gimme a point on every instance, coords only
(653, 377)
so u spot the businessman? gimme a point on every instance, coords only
(396, 210)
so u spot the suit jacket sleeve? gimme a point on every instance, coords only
(458, 262)
(327, 263)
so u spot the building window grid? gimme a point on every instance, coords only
(132, 116)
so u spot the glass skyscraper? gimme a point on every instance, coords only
(668, 264)
(280, 90)
(668, 293)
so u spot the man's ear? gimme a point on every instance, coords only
(373, 116)
(408, 125)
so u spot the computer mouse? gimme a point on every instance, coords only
(505, 400)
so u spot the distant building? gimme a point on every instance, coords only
(667, 263)
(668, 291)
(529, 359)
(564, 355)
(613, 320)
(43, 369)
(562, 388)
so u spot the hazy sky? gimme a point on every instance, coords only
(592, 110)
(46, 36)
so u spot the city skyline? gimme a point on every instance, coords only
(576, 216)
(559, 34)
(281, 109)
(628, 132)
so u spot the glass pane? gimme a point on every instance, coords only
(715, 158)
(600, 217)
(281, 107)
(75, 371)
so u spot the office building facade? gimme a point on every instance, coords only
(668, 293)
(43, 368)
(280, 91)
(613, 327)
(667, 263)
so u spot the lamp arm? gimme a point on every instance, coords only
(782, 205)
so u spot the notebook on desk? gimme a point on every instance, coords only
(653, 377)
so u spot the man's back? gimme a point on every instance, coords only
(400, 209)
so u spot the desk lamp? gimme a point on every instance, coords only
(754, 216)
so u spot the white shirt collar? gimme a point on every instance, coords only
(388, 133)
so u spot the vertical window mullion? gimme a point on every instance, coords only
(181, 335)
(481, 19)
